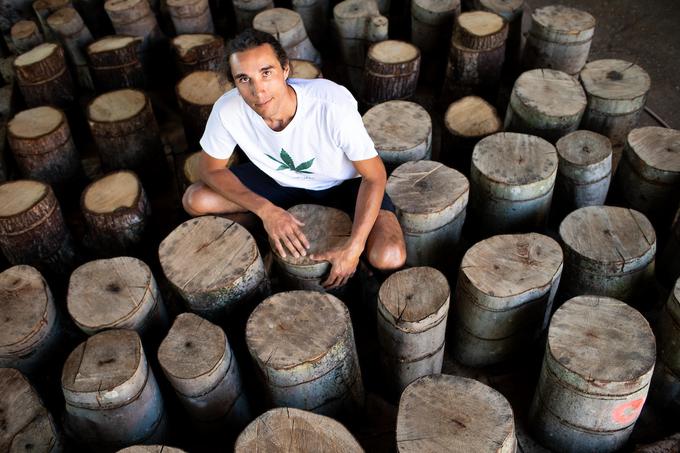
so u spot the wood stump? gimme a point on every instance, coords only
(320, 374)
(442, 412)
(191, 16)
(303, 69)
(665, 389)
(29, 327)
(115, 64)
(648, 178)
(315, 15)
(287, 27)
(668, 267)
(292, 430)
(432, 24)
(32, 229)
(467, 121)
(196, 94)
(43, 77)
(608, 251)
(430, 199)
(112, 398)
(325, 228)
(504, 297)
(189, 171)
(116, 293)
(199, 364)
(592, 385)
(546, 103)
(511, 11)
(135, 18)
(41, 142)
(401, 132)
(559, 38)
(391, 71)
(583, 173)
(27, 426)
(150, 449)
(75, 36)
(200, 52)
(246, 10)
(512, 180)
(214, 264)
(616, 91)
(412, 325)
(43, 9)
(25, 36)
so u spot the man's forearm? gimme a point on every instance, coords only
(225, 183)
(366, 211)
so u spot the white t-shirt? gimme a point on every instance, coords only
(314, 151)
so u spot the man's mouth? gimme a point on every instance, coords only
(262, 104)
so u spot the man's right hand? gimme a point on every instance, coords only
(284, 230)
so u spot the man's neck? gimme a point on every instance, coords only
(285, 116)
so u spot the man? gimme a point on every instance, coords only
(307, 144)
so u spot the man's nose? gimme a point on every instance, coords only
(256, 86)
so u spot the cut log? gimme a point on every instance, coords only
(189, 170)
(665, 391)
(75, 36)
(303, 69)
(115, 64)
(246, 10)
(315, 16)
(668, 267)
(592, 385)
(135, 18)
(287, 27)
(432, 23)
(151, 449)
(504, 296)
(511, 11)
(25, 36)
(112, 398)
(198, 361)
(546, 103)
(191, 16)
(43, 148)
(292, 430)
(200, 52)
(391, 71)
(43, 9)
(43, 77)
(320, 374)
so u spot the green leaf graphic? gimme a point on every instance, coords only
(304, 165)
(282, 167)
(275, 159)
(287, 159)
(304, 171)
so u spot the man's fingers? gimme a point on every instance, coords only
(279, 247)
(291, 248)
(301, 237)
(297, 220)
(298, 245)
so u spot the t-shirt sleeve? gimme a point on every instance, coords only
(216, 139)
(353, 138)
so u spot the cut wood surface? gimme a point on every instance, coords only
(480, 30)
(115, 62)
(295, 431)
(116, 106)
(200, 52)
(117, 190)
(303, 69)
(287, 27)
(191, 16)
(19, 196)
(406, 302)
(246, 10)
(615, 86)
(25, 35)
(43, 77)
(451, 413)
(391, 71)
(150, 449)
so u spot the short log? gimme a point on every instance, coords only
(74, 34)
(412, 325)
(512, 180)
(608, 251)
(431, 199)
(25, 36)
(200, 52)
(504, 297)
(432, 23)
(246, 10)
(115, 64)
(592, 385)
(303, 69)
(512, 12)
(26, 421)
(559, 38)
(151, 449)
(41, 142)
(288, 429)
(43, 77)
(668, 268)
(315, 15)
(43, 9)
(665, 391)
(391, 71)
(442, 412)
(546, 103)
(198, 361)
(189, 171)
(287, 27)
(214, 264)
(135, 18)
(191, 16)
(29, 328)
(112, 398)
(320, 374)
(401, 132)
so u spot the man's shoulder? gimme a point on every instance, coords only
(229, 102)
(325, 91)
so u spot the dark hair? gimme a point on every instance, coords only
(251, 38)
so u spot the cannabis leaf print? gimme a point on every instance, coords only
(286, 163)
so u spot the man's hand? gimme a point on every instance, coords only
(283, 228)
(344, 261)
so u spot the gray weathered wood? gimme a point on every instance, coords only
(25, 36)
(246, 10)
(432, 24)
(200, 52)
(191, 16)
(668, 264)
(391, 71)
(75, 36)
(115, 64)
(315, 15)
(665, 390)
(43, 77)
(287, 27)
(512, 12)
(135, 18)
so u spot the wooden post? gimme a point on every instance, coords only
(191, 16)
(200, 52)
(25, 418)
(592, 385)
(467, 121)
(32, 229)
(320, 374)
(43, 77)
(112, 398)
(442, 411)
(608, 251)
(151, 449)
(401, 132)
(303, 69)
(25, 36)
(135, 18)
(287, 27)
(199, 364)
(504, 297)
(246, 10)
(43, 9)
(559, 38)
(511, 11)
(189, 169)
(41, 142)
(668, 267)
(196, 94)
(545, 103)
(214, 264)
(430, 199)
(315, 15)
(391, 71)
(432, 23)
(512, 179)
(296, 430)
(72, 32)
(412, 325)
(115, 64)
(29, 327)
(665, 389)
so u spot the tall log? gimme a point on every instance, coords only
(391, 71)
(287, 27)
(200, 52)
(136, 18)
(25, 36)
(43, 77)
(432, 23)
(246, 10)
(43, 9)
(115, 64)
(668, 267)
(191, 16)
(75, 36)
(512, 12)
(315, 15)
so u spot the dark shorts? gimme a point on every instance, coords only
(342, 196)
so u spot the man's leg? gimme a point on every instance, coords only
(385, 247)
(200, 199)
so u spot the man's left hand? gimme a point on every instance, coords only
(344, 261)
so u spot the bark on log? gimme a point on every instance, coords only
(43, 77)
(246, 10)
(75, 36)
(25, 36)
(432, 24)
(200, 52)
(43, 9)
(511, 11)
(136, 18)
(391, 71)
(115, 63)
(191, 16)
(287, 27)
(315, 15)
(665, 391)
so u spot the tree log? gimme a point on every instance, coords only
(43, 9)
(303, 69)
(315, 15)
(391, 71)
(43, 76)
(246, 10)
(200, 52)
(511, 11)
(287, 27)
(25, 36)
(115, 64)
(191, 16)
(75, 36)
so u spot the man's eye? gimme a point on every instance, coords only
(243, 79)
(267, 73)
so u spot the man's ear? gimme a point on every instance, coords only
(286, 70)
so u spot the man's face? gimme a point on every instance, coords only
(260, 79)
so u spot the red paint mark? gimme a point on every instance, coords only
(626, 413)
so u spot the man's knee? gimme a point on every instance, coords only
(389, 256)
(193, 200)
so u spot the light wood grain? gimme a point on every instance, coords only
(19, 196)
(113, 191)
(116, 106)
(35, 122)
